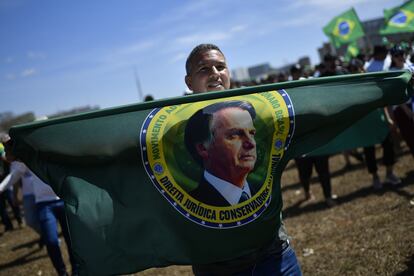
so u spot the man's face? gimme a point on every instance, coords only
(209, 72)
(232, 150)
(399, 59)
(296, 75)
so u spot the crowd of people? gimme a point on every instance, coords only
(43, 209)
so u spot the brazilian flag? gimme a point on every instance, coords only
(351, 51)
(344, 28)
(399, 19)
(126, 174)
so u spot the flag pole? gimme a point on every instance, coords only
(138, 84)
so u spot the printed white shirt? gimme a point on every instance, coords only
(229, 191)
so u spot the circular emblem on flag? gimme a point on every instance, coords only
(344, 28)
(213, 161)
(399, 19)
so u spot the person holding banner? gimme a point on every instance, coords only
(207, 71)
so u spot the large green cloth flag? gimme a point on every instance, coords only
(399, 19)
(369, 131)
(344, 28)
(128, 177)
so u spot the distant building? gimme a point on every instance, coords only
(240, 74)
(263, 71)
(372, 38)
(303, 62)
(259, 71)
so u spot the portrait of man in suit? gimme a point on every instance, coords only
(221, 138)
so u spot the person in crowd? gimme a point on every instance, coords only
(380, 60)
(7, 196)
(403, 114)
(379, 63)
(50, 211)
(235, 84)
(206, 70)
(281, 77)
(355, 66)
(19, 173)
(272, 78)
(296, 72)
(305, 164)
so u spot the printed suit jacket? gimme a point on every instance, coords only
(207, 194)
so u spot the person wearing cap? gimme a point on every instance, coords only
(403, 114)
(206, 71)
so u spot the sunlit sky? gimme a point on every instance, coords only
(57, 55)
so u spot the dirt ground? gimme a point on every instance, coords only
(368, 232)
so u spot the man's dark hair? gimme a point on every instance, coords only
(148, 98)
(355, 65)
(397, 50)
(197, 50)
(197, 129)
(380, 50)
(329, 57)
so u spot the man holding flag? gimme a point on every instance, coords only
(207, 71)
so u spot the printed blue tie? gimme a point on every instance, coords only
(244, 196)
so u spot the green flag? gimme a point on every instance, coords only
(369, 131)
(352, 51)
(344, 28)
(128, 174)
(399, 19)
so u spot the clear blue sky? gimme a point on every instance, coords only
(56, 55)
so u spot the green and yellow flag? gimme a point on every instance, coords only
(344, 28)
(399, 19)
(352, 51)
(128, 175)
